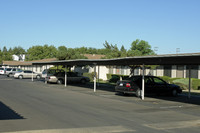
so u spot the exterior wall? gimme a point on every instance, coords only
(160, 71)
(102, 72)
(173, 74)
(184, 71)
(199, 72)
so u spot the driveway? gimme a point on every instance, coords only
(35, 107)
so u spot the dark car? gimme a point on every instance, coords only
(153, 85)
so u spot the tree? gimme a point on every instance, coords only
(139, 48)
(123, 51)
(65, 53)
(62, 53)
(41, 52)
(6, 56)
(18, 50)
(1, 54)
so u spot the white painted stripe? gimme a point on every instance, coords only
(104, 129)
(174, 125)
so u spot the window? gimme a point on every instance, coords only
(148, 80)
(158, 81)
(27, 71)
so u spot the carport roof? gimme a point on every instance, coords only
(169, 59)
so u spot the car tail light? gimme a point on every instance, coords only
(128, 85)
(131, 89)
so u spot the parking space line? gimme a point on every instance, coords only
(174, 125)
(104, 129)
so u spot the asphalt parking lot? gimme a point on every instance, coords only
(34, 107)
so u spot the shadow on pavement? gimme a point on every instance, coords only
(7, 113)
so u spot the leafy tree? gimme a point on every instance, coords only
(41, 52)
(18, 50)
(65, 53)
(62, 53)
(1, 54)
(5, 49)
(139, 48)
(123, 51)
(6, 56)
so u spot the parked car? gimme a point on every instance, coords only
(27, 74)
(2, 70)
(50, 72)
(7, 70)
(155, 85)
(12, 72)
(72, 77)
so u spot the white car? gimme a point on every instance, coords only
(27, 74)
(2, 70)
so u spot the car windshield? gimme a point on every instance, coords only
(19, 70)
(8, 69)
(1, 68)
(134, 78)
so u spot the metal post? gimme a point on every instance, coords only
(95, 79)
(143, 85)
(65, 76)
(46, 75)
(98, 75)
(32, 73)
(189, 95)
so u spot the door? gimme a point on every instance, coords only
(149, 85)
(160, 86)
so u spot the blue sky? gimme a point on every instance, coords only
(166, 24)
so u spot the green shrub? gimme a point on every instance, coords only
(195, 84)
(90, 75)
(166, 78)
(113, 78)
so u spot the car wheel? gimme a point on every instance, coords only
(174, 92)
(138, 93)
(83, 81)
(60, 81)
(20, 77)
(38, 77)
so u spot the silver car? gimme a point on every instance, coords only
(11, 71)
(27, 74)
(72, 77)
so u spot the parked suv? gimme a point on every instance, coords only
(72, 77)
(11, 73)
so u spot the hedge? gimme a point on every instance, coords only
(183, 82)
(89, 75)
(113, 78)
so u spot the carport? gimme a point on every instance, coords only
(170, 59)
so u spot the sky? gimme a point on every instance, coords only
(167, 25)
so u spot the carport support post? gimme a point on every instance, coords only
(47, 74)
(189, 83)
(98, 75)
(95, 79)
(143, 82)
(65, 76)
(32, 73)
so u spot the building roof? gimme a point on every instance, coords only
(94, 56)
(26, 63)
(169, 59)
